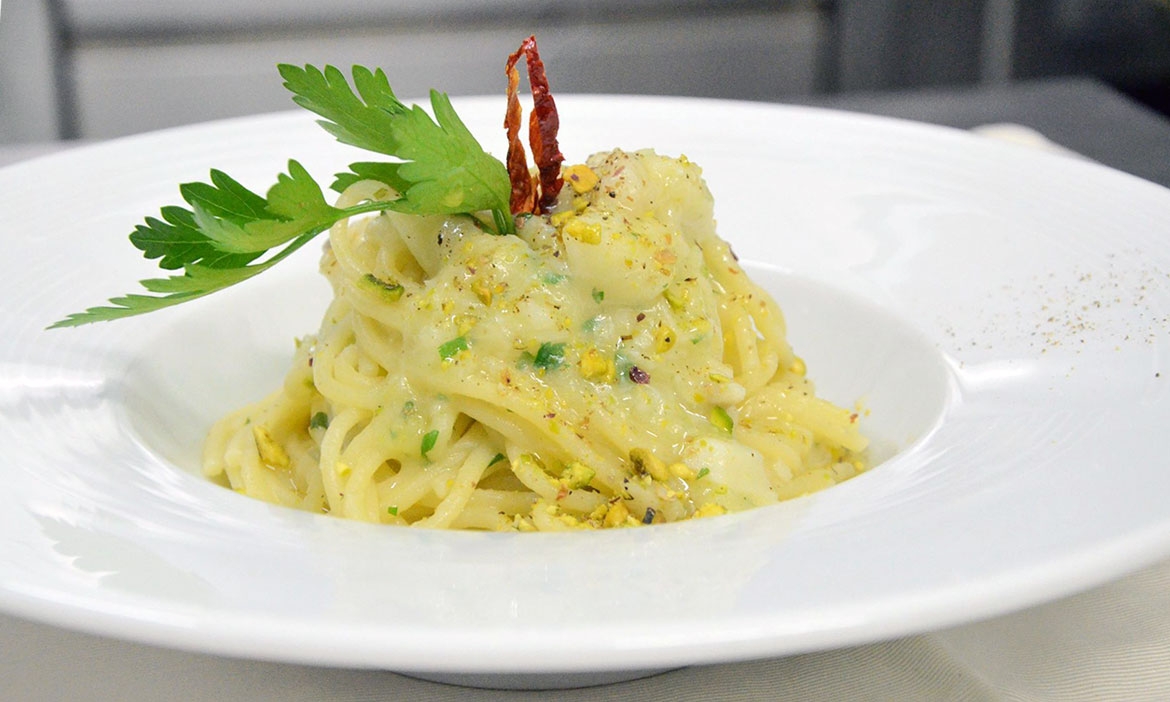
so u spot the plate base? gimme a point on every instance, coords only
(535, 681)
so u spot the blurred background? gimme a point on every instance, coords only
(92, 69)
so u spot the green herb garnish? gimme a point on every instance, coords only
(428, 442)
(449, 349)
(228, 234)
(549, 356)
(319, 421)
(702, 472)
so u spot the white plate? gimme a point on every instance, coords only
(1002, 312)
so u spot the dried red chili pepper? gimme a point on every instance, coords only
(543, 125)
(523, 197)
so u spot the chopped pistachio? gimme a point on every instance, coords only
(710, 509)
(583, 231)
(617, 514)
(558, 219)
(482, 290)
(677, 298)
(581, 178)
(577, 475)
(721, 419)
(681, 470)
(597, 367)
(272, 454)
(647, 463)
(388, 288)
(664, 338)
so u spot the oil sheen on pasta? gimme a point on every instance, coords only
(611, 365)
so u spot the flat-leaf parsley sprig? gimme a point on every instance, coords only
(228, 233)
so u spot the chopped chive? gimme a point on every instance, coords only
(702, 472)
(549, 356)
(496, 459)
(598, 295)
(551, 278)
(319, 421)
(449, 349)
(428, 441)
(392, 510)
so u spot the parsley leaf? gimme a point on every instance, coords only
(450, 349)
(216, 242)
(549, 356)
(444, 170)
(428, 442)
(227, 233)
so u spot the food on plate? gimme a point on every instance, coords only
(550, 349)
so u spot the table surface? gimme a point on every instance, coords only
(1097, 645)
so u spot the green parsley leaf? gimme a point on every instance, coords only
(549, 356)
(444, 169)
(428, 442)
(319, 421)
(382, 172)
(702, 472)
(227, 233)
(392, 510)
(598, 295)
(216, 241)
(449, 349)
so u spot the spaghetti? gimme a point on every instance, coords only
(609, 365)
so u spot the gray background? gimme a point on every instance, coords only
(92, 69)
